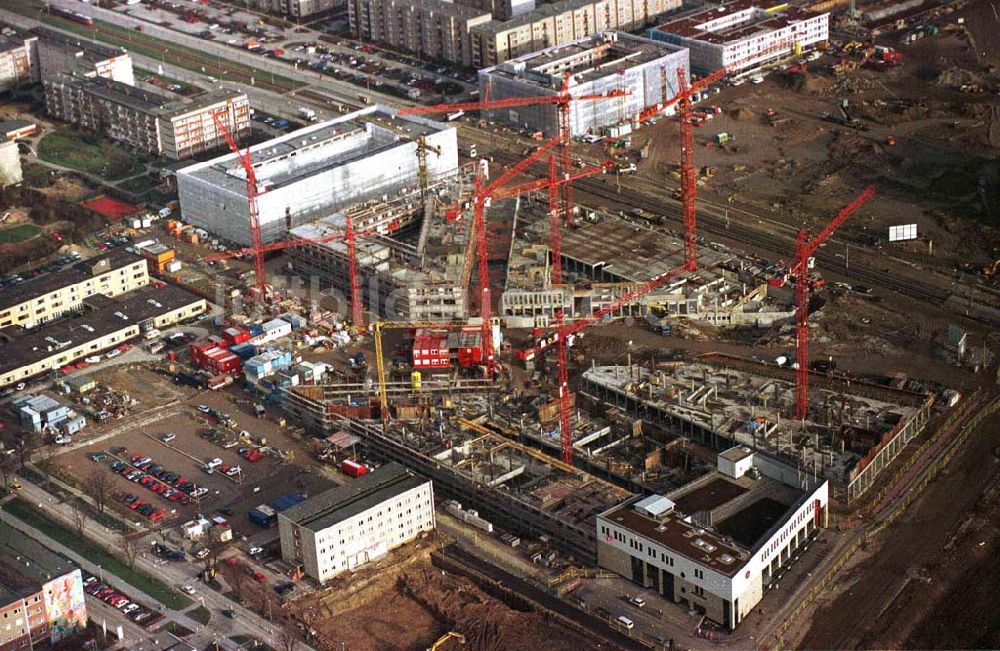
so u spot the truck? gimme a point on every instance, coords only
(307, 113)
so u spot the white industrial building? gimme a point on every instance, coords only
(716, 544)
(358, 522)
(602, 62)
(313, 172)
(743, 34)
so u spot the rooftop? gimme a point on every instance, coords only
(25, 565)
(155, 103)
(6, 126)
(735, 21)
(105, 316)
(449, 8)
(318, 147)
(78, 272)
(89, 50)
(358, 495)
(542, 11)
(593, 57)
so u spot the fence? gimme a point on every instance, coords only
(913, 493)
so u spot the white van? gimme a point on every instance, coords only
(627, 623)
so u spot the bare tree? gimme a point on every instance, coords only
(131, 550)
(236, 578)
(288, 637)
(80, 517)
(8, 465)
(25, 446)
(98, 486)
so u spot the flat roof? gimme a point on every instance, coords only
(348, 138)
(91, 50)
(736, 453)
(766, 18)
(542, 11)
(78, 272)
(593, 57)
(449, 8)
(152, 102)
(356, 496)
(707, 496)
(689, 540)
(6, 126)
(25, 565)
(107, 315)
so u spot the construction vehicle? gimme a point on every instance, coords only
(990, 270)
(883, 58)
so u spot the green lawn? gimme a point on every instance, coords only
(155, 588)
(83, 152)
(19, 233)
(200, 614)
(140, 184)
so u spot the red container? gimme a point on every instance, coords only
(352, 468)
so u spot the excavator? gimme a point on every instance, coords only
(450, 635)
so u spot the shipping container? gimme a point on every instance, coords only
(353, 468)
(288, 501)
(263, 516)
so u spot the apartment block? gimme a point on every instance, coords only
(296, 8)
(434, 29)
(147, 120)
(18, 61)
(501, 9)
(62, 53)
(356, 523)
(559, 23)
(49, 296)
(103, 324)
(744, 34)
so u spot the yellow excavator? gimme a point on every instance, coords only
(991, 270)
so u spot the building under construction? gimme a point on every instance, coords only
(606, 256)
(315, 171)
(853, 431)
(415, 256)
(597, 64)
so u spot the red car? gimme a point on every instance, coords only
(157, 515)
(136, 504)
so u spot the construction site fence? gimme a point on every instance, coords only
(873, 530)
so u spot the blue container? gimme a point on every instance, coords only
(256, 331)
(288, 501)
(245, 350)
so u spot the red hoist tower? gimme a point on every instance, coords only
(804, 249)
(256, 239)
(348, 235)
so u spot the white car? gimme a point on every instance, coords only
(64, 439)
(253, 551)
(93, 359)
(113, 353)
(214, 463)
(756, 79)
(199, 492)
(187, 589)
(168, 437)
(638, 602)
(131, 608)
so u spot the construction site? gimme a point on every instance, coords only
(671, 329)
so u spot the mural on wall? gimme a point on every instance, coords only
(64, 605)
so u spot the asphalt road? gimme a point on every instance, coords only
(174, 574)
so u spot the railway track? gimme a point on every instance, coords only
(712, 220)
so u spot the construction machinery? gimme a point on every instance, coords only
(256, 239)
(804, 250)
(348, 235)
(450, 635)
(423, 148)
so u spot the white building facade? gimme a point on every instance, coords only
(314, 172)
(742, 35)
(651, 543)
(357, 522)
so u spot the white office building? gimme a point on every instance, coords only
(358, 522)
(314, 172)
(743, 34)
(716, 544)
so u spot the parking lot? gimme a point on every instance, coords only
(172, 473)
(365, 66)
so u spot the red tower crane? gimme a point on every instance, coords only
(689, 181)
(256, 239)
(348, 235)
(804, 249)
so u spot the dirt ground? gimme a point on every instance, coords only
(403, 602)
(941, 173)
(930, 581)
